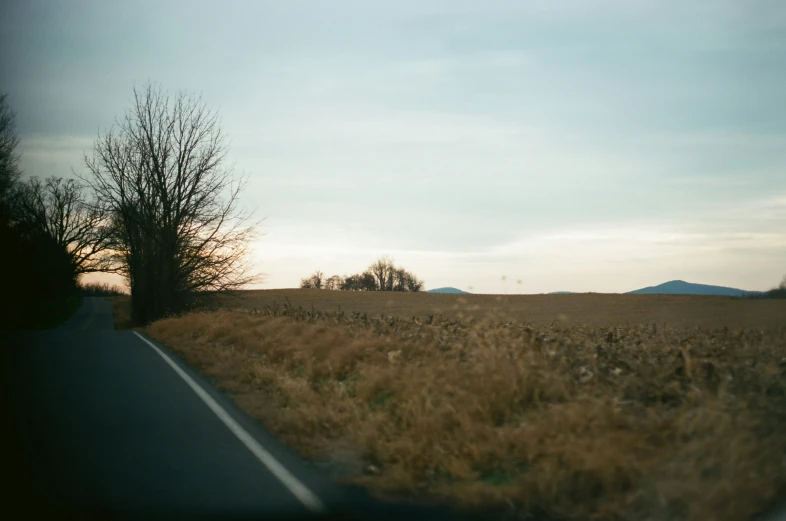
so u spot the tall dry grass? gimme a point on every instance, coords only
(121, 311)
(572, 422)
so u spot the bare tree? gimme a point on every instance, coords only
(405, 281)
(389, 277)
(359, 282)
(334, 282)
(318, 281)
(383, 271)
(59, 208)
(315, 281)
(9, 157)
(177, 227)
(382, 275)
(399, 280)
(414, 284)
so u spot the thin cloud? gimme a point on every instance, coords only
(576, 145)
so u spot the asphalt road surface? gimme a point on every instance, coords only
(109, 424)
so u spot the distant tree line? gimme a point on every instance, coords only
(780, 291)
(382, 275)
(100, 289)
(777, 292)
(158, 205)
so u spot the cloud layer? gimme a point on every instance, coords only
(598, 146)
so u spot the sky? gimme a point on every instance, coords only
(493, 146)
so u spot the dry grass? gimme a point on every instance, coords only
(574, 421)
(121, 309)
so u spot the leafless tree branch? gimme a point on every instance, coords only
(176, 221)
(59, 208)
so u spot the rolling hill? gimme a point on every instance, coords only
(454, 291)
(680, 287)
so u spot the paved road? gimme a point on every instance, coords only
(115, 423)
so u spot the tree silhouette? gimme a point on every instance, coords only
(59, 208)
(780, 291)
(39, 276)
(9, 157)
(175, 221)
(382, 275)
(389, 277)
(359, 282)
(334, 282)
(313, 282)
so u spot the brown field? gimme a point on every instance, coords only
(574, 406)
(590, 309)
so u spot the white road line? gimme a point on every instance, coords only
(298, 489)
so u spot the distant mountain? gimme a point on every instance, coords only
(454, 291)
(680, 287)
(673, 287)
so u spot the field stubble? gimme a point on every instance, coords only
(571, 417)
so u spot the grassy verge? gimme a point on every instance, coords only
(574, 422)
(121, 311)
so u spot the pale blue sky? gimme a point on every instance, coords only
(587, 146)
